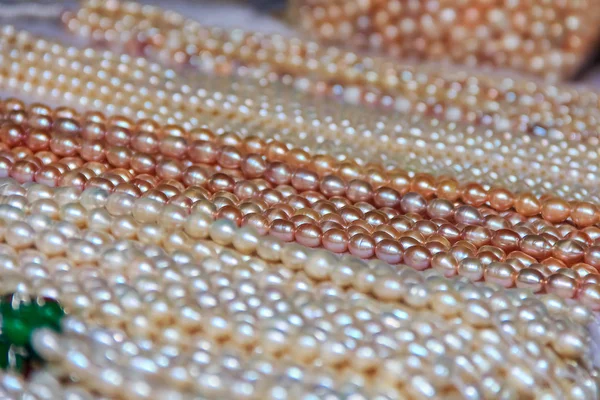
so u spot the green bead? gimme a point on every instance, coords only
(13, 357)
(16, 331)
(38, 313)
(52, 312)
(6, 310)
(11, 305)
(29, 313)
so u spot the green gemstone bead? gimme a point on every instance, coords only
(32, 315)
(13, 357)
(29, 313)
(19, 317)
(6, 310)
(38, 313)
(52, 312)
(16, 331)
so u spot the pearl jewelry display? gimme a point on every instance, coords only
(236, 234)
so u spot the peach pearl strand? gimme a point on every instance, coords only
(544, 213)
(171, 31)
(427, 156)
(554, 210)
(391, 245)
(532, 250)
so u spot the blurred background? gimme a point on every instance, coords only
(553, 41)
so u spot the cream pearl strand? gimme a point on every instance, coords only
(111, 319)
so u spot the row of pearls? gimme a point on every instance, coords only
(134, 226)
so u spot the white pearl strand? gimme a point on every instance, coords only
(138, 289)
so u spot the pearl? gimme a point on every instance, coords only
(319, 265)
(222, 231)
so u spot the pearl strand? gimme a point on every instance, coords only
(459, 260)
(551, 274)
